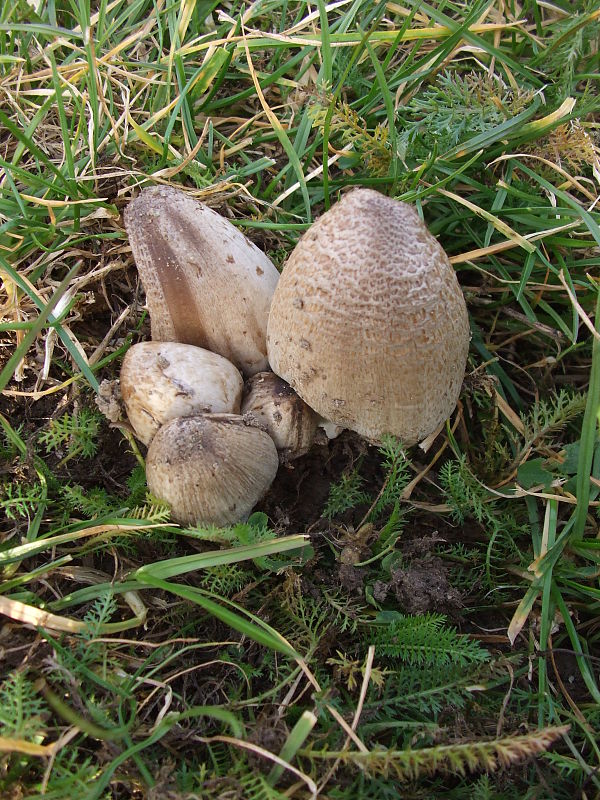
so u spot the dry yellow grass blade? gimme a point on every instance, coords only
(38, 618)
(14, 291)
(389, 36)
(22, 551)
(19, 241)
(545, 533)
(573, 181)
(500, 226)
(563, 110)
(44, 392)
(349, 731)
(254, 748)
(314, 15)
(277, 127)
(30, 615)
(482, 252)
(357, 713)
(42, 201)
(170, 172)
(578, 307)
(8, 745)
(185, 15)
(315, 173)
(410, 487)
(560, 498)
(511, 416)
(396, 8)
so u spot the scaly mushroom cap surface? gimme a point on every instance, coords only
(212, 469)
(205, 282)
(164, 380)
(285, 416)
(368, 323)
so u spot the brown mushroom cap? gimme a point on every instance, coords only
(368, 323)
(164, 380)
(205, 282)
(287, 419)
(212, 469)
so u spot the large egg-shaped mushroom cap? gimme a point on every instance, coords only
(164, 380)
(211, 469)
(368, 323)
(205, 282)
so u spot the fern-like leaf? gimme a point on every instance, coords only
(136, 483)
(77, 432)
(549, 416)
(426, 640)
(91, 503)
(345, 494)
(20, 500)
(572, 41)
(373, 147)
(224, 580)
(21, 709)
(255, 787)
(152, 511)
(463, 492)
(72, 775)
(421, 692)
(457, 107)
(103, 608)
(397, 475)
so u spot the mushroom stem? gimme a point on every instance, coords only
(331, 429)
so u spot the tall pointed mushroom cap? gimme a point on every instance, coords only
(164, 380)
(368, 323)
(206, 283)
(212, 469)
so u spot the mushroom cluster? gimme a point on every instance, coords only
(213, 446)
(366, 329)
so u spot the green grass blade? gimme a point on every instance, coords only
(588, 437)
(298, 735)
(253, 627)
(184, 564)
(587, 672)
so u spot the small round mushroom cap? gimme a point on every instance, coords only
(211, 469)
(205, 282)
(287, 419)
(164, 380)
(368, 323)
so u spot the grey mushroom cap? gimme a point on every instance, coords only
(206, 284)
(368, 323)
(212, 469)
(287, 419)
(164, 380)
